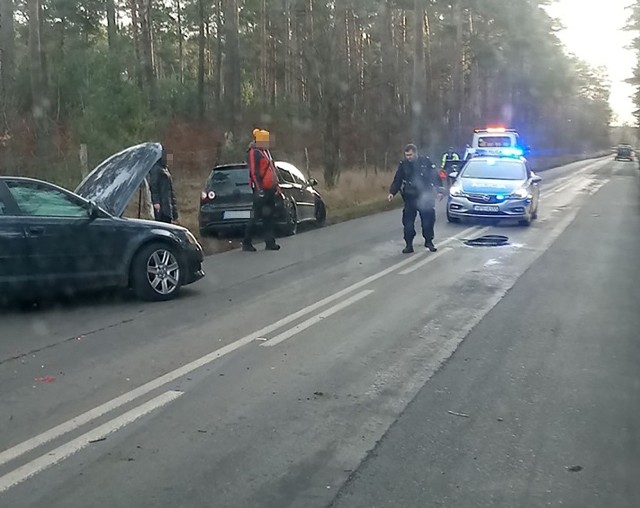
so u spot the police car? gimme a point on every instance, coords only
(500, 186)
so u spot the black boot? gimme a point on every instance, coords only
(429, 245)
(247, 246)
(408, 249)
(272, 246)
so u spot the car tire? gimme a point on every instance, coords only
(146, 282)
(291, 226)
(321, 213)
(453, 220)
(525, 222)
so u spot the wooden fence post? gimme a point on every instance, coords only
(306, 157)
(84, 161)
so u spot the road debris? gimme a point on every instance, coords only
(458, 414)
(45, 379)
(575, 469)
(98, 440)
(500, 419)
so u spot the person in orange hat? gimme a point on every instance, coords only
(263, 179)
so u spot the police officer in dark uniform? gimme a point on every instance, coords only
(418, 182)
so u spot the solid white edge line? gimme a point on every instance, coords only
(64, 451)
(316, 319)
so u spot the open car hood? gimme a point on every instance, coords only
(115, 181)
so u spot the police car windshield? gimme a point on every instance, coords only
(494, 141)
(494, 169)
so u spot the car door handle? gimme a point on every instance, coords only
(35, 231)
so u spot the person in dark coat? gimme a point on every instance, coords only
(419, 183)
(163, 196)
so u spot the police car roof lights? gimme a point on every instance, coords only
(494, 130)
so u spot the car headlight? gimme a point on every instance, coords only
(520, 194)
(455, 190)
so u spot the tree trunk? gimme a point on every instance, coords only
(264, 46)
(135, 27)
(388, 74)
(232, 88)
(39, 99)
(458, 74)
(334, 77)
(7, 61)
(144, 7)
(419, 85)
(218, 88)
(180, 41)
(201, 47)
(111, 25)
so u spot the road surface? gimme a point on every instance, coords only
(325, 374)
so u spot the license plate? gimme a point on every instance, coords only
(486, 208)
(238, 214)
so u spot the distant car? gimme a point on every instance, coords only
(624, 153)
(494, 188)
(53, 241)
(226, 201)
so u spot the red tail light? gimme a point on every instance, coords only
(207, 196)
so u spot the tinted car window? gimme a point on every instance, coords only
(39, 201)
(3, 207)
(227, 180)
(295, 175)
(285, 175)
(494, 170)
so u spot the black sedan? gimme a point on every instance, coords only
(53, 241)
(226, 201)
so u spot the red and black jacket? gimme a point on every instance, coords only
(262, 171)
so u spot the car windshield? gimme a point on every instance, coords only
(494, 141)
(227, 180)
(494, 169)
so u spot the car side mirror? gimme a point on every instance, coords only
(93, 211)
(536, 179)
(453, 174)
(313, 182)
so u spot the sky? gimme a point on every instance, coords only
(593, 32)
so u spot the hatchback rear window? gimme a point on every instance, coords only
(228, 179)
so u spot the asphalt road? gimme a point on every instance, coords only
(290, 378)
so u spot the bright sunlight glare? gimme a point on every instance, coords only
(594, 31)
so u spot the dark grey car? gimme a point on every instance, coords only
(226, 201)
(54, 241)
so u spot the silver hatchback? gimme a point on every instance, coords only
(494, 188)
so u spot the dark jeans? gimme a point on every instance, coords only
(162, 217)
(263, 210)
(427, 218)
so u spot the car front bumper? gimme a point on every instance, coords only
(461, 206)
(193, 259)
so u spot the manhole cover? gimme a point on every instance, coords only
(488, 241)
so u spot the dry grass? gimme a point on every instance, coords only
(357, 194)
